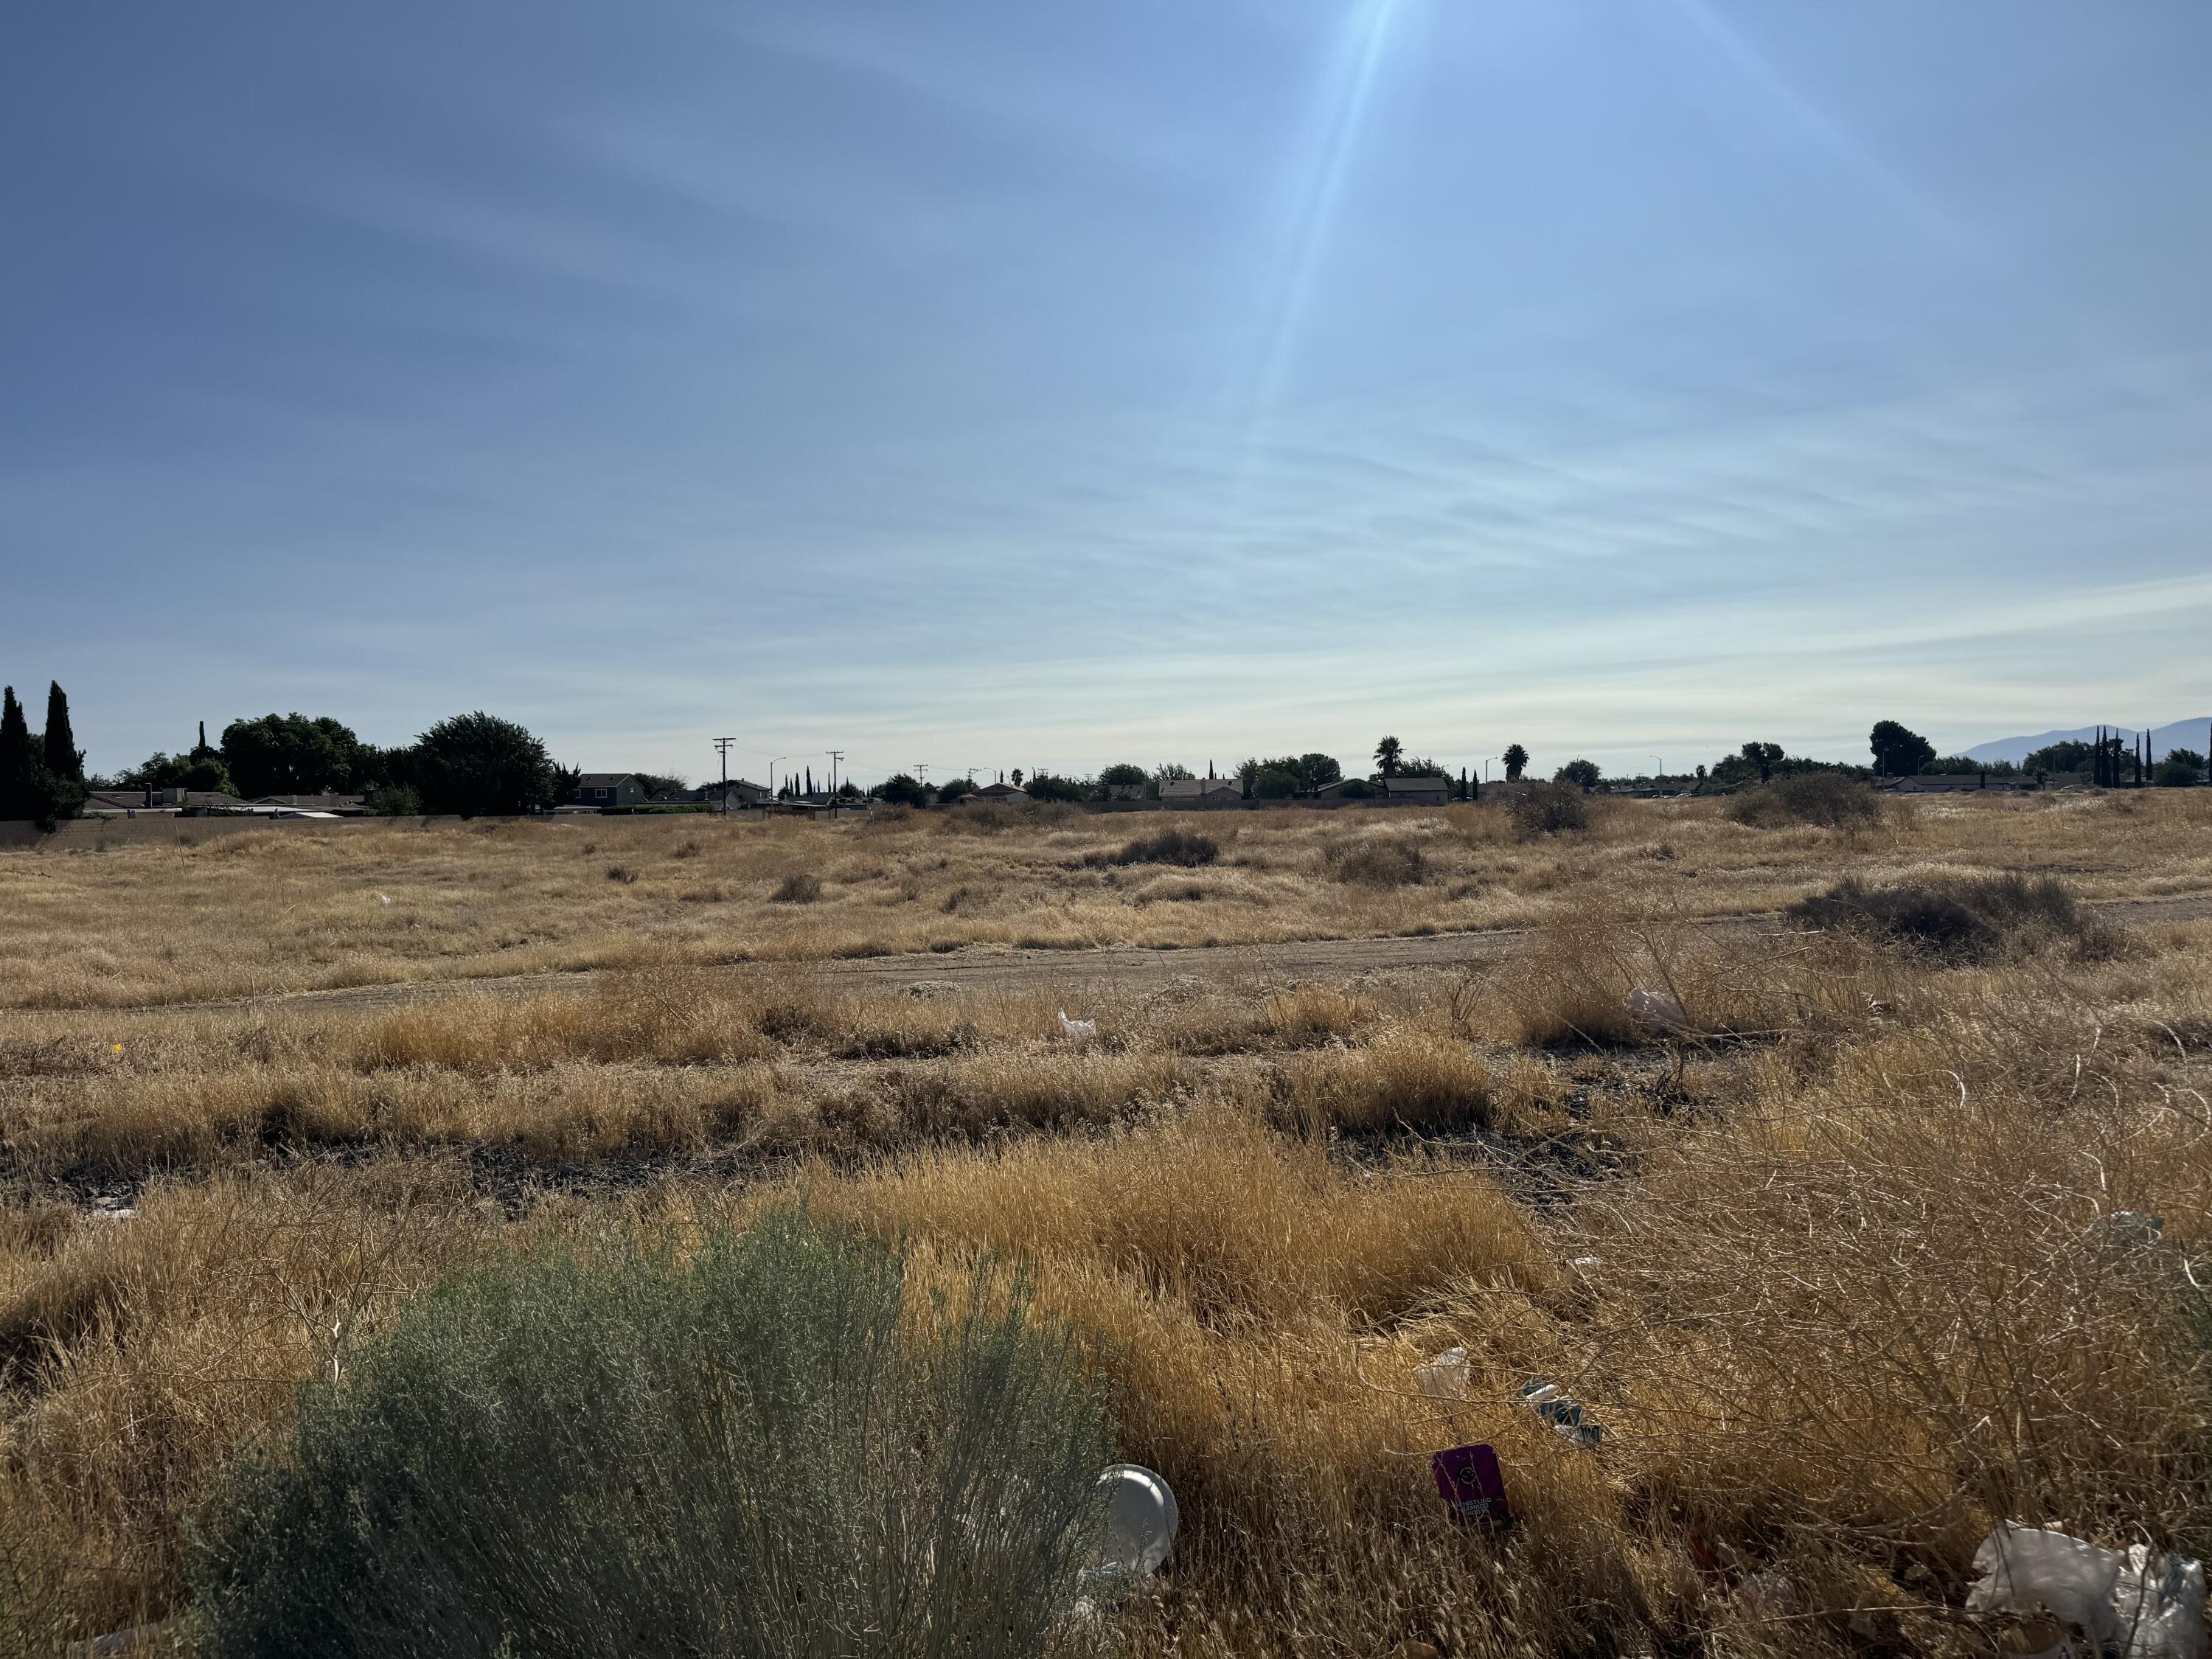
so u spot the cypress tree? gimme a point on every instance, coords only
(21, 797)
(65, 760)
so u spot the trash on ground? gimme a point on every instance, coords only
(1078, 1029)
(2136, 1603)
(1659, 1010)
(1563, 1414)
(1140, 1522)
(383, 899)
(925, 990)
(1472, 1484)
(1443, 1377)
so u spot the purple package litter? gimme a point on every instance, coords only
(1472, 1484)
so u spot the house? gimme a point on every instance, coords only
(154, 803)
(1415, 791)
(732, 796)
(607, 789)
(131, 803)
(1178, 793)
(327, 804)
(1951, 783)
(1006, 793)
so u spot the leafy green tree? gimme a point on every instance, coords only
(477, 764)
(1583, 773)
(63, 758)
(1046, 786)
(1274, 783)
(395, 801)
(292, 755)
(1317, 771)
(2069, 755)
(2180, 768)
(902, 789)
(1899, 752)
(657, 784)
(1517, 762)
(23, 790)
(1357, 789)
(1763, 756)
(1122, 776)
(954, 789)
(1386, 756)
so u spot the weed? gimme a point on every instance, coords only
(799, 887)
(1825, 800)
(1548, 809)
(623, 873)
(1964, 918)
(1378, 861)
(1186, 848)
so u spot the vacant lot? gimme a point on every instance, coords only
(1819, 1238)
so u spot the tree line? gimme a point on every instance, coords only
(473, 764)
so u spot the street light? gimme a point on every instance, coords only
(772, 765)
(1662, 772)
(1486, 766)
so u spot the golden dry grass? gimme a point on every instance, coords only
(1828, 1264)
(252, 914)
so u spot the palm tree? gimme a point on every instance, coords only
(1386, 757)
(1517, 762)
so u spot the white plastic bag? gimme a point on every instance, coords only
(1659, 1011)
(1077, 1029)
(2137, 1603)
(1445, 1376)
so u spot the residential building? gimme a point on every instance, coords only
(1179, 793)
(736, 794)
(1004, 793)
(608, 789)
(1415, 791)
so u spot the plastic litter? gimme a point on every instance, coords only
(2136, 1603)
(1444, 1376)
(1078, 1029)
(1658, 1009)
(1472, 1484)
(1141, 1520)
(382, 899)
(1563, 1414)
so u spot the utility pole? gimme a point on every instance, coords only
(836, 754)
(722, 748)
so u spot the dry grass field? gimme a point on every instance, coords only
(1825, 1255)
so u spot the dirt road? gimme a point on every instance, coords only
(999, 970)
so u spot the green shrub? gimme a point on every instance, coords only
(758, 1451)
(1827, 800)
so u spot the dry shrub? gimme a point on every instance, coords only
(799, 887)
(1548, 809)
(1212, 1209)
(1378, 861)
(1857, 1332)
(1411, 1080)
(1825, 800)
(1188, 847)
(1958, 918)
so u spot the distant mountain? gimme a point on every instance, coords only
(2180, 734)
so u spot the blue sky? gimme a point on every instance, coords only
(991, 383)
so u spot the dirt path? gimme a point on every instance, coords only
(1000, 970)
